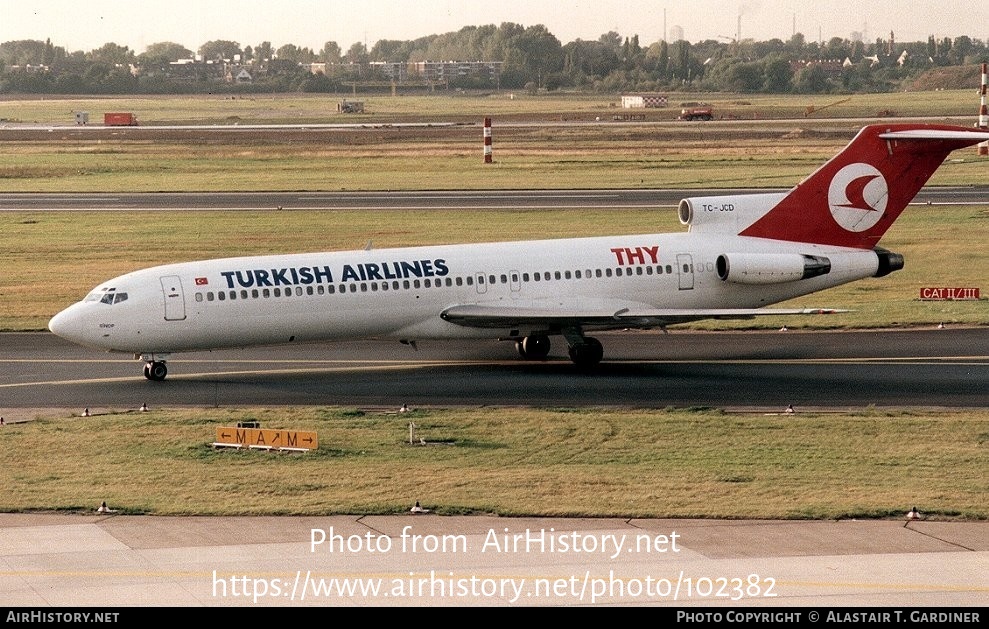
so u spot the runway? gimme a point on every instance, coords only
(418, 200)
(746, 370)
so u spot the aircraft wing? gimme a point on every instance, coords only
(483, 316)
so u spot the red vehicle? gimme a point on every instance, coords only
(120, 119)
(697, 113)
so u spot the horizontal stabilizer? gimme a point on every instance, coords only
(968, 137)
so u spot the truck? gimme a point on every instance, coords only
(696, 113)
(119, 119)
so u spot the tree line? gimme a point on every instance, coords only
(531, 58)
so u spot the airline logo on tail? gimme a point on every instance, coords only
(857, 197)
(867, 186)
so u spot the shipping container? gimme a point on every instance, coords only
(119, 119)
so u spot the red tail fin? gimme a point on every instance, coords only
(854, 198)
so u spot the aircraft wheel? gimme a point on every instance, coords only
(535, 347)
(587, 354)
(156, 371)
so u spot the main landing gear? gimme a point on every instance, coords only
(154, 369)
(584, 351)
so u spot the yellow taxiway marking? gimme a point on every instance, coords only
(356, 366)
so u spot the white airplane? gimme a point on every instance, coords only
(740, 253)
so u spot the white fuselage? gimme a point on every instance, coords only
(400, 293)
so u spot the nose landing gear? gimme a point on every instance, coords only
(154, 368)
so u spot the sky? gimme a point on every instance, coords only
(88, 24)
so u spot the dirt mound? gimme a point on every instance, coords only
(950, 78)
(797, 134)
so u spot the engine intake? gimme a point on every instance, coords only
(770, 268)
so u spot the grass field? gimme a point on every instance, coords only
(546, 141)
(471, 106)
(511, 462)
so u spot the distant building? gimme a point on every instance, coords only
(238, 74)
(438, 71)
(638, 101)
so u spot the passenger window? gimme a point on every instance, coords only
(209, 296)
(199, 296)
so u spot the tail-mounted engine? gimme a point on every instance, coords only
(727, 214)
(770, 268)
(888, 262)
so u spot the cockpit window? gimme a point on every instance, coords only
(106, 296)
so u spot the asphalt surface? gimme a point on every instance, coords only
(754, 370)
(420, 200)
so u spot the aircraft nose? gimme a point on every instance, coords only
(66, 324)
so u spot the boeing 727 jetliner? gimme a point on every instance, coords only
(739, 254)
